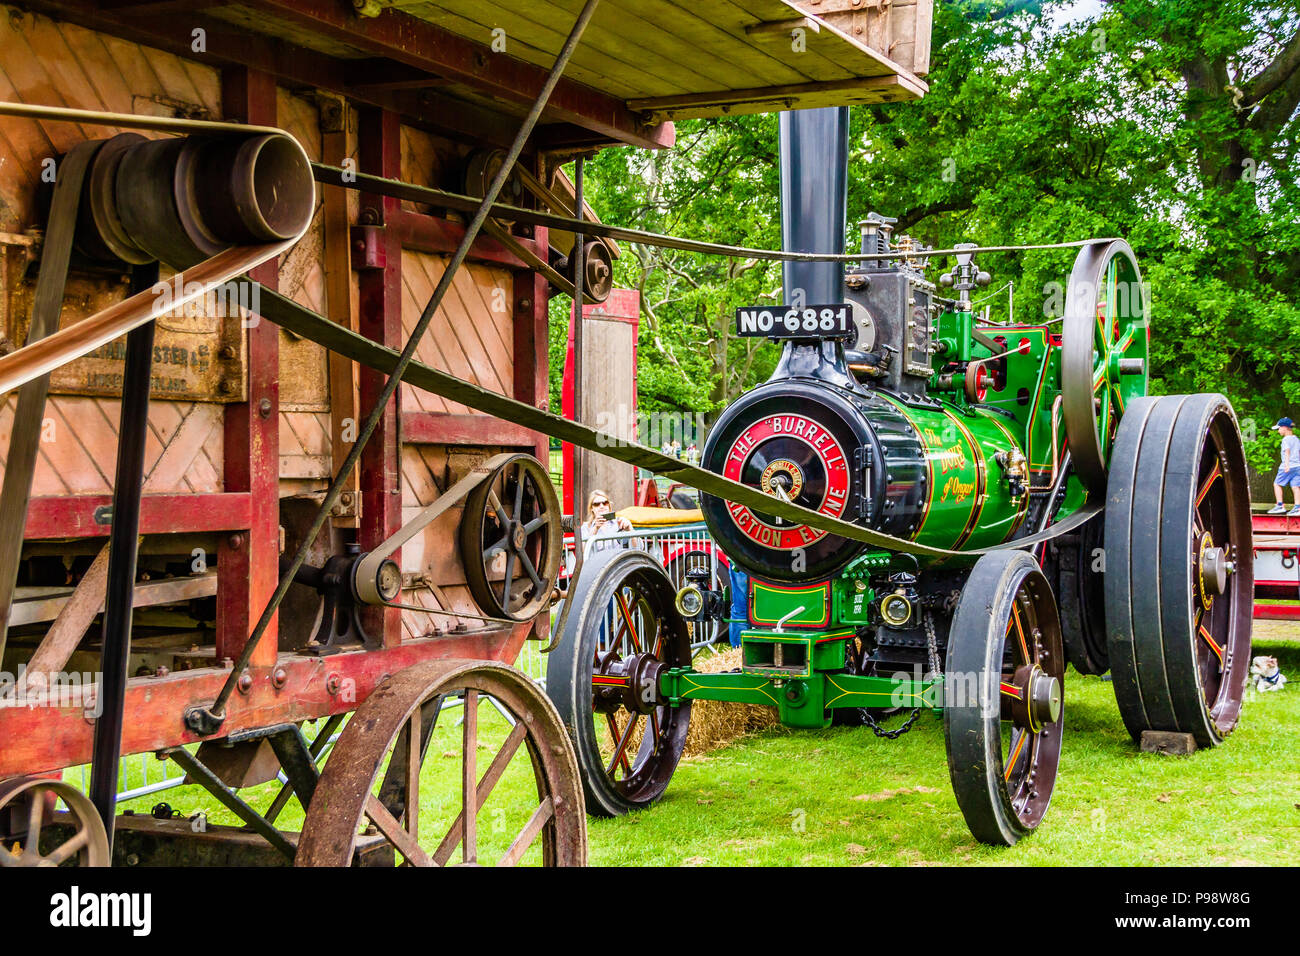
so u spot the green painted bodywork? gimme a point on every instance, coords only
(803, 701)
(800, 669)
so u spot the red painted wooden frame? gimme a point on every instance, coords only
(48, 738)
(73, 516)
(42, 738)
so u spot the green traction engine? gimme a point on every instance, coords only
(1040, 509)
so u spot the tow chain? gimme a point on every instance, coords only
(932, 643)
(932, 647)
(897, 731)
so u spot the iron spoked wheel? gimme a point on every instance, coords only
(1076, 568)
(1003, 709)
(375, 777)
(623, 633)
(511, 540)
(1106, 345)
(702, 631)
(1180, 581)
(27, 837)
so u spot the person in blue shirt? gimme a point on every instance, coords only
(739, 603)
(1288, 472)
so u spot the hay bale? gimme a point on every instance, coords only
(716, 723)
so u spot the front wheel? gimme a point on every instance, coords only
(603, 677)
(1003, 698)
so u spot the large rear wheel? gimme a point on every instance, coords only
(1179, 582)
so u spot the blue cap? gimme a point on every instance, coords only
(1283, 423)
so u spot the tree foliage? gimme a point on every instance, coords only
(1174, 125)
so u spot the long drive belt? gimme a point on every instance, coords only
(25, 436)
(302, 321)
(18, 369)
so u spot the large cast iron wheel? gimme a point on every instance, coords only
(511, 540)
(29, 834)
(374, 774)
(1076, 567)
(1003, 716)
(1105, 351)
(1179, 575)
(622, 633)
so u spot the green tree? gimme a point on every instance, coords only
(1174, 125)
(719, 184)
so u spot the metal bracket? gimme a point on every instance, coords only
(194, 768)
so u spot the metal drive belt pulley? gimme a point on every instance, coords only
(598, 266)
(222, 199)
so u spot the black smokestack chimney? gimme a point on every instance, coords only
(814, 200)
(814, 208)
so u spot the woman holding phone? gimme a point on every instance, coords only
(601, 522)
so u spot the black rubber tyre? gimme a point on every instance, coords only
(616, 587)
(1076, 567)
(1005, 637)
(1180, 582)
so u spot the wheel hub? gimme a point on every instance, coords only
(1214, 568)
(1036, 700)
(632, 682)
(1044, 698)
(518, 536)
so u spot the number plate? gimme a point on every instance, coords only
(787, 322)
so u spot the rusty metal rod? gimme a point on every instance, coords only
(578, 262)
(395, 188)
(206, 720)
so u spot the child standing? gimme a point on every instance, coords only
(1288, 472)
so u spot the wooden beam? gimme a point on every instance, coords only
(531, 343)
(338, 305)
(248, 565)
(380, 319)
(52, 737)
(422, 233)
(89, 516)
(451, 428)
(875, 89)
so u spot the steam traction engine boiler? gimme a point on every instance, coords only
(1025, 505)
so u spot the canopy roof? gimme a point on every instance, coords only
(473, 67)
(693, 58)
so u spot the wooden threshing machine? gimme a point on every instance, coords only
(274, 278)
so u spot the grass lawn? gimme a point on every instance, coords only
(843, 797)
